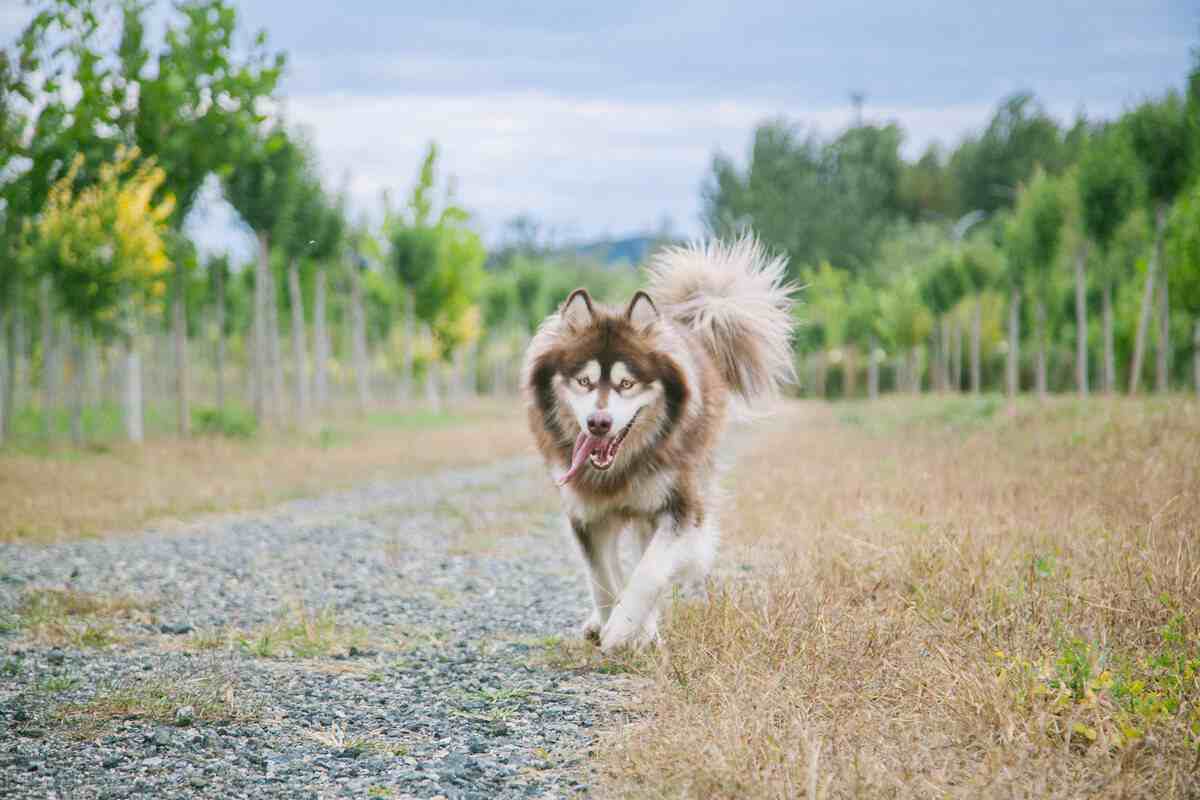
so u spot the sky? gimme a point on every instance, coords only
(602, 118)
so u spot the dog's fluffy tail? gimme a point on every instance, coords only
(736, 298)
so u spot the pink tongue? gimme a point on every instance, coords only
(585, 445)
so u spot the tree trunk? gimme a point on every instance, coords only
(1013, 371)
(433, 396)
(219, 363)
(321, 344)
(1081, 322)
(1039, 311)
(976, 345)
(94, 393)
(1162, 373)
(472, 369)
(872, 369)
(8, 357)
(19, 366)
(49, 358)
(258, 369)
(182, 373)
(1196, 355)
(956, 356)
(299, 345)
(359, 339)
(1110, 350)
(131, 397)
(1139, 344)
(822, 371)
(77, 387)
(913, 369)
(937, 348)
(274, 347)
(410, 333)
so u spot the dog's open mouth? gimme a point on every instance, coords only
(599, 451)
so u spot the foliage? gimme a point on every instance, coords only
(438, 260)
(1108, 185)
(1183, 250)
(104, 246)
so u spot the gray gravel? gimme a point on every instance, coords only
(447, 586)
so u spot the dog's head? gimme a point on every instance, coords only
(607, 382)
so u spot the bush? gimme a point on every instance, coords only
(235, 423)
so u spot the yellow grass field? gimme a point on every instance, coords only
(940, 598)
(116, 488)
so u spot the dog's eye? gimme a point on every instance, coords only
(625, 385)
(584, 382)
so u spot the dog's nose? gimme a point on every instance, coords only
(599, 423)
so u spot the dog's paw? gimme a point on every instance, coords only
(590, 630)
(617, 634)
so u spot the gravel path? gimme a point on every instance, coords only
(390, 641)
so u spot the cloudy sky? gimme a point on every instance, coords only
(601, 118)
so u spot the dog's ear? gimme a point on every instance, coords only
(641, 310)
(578, 311)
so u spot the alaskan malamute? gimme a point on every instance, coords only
(627, 406)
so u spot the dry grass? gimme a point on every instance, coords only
(70, 618)
(72, 493)
(941, 599)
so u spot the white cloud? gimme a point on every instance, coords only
(587, 166)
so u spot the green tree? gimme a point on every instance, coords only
(202, 93)
(988, 169)
(1108, 192)
(1039, 219)
(439, 262)
(260, 185)
(104, 248)
(1183, 249)
(1159, 136)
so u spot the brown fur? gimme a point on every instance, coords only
(694, 414)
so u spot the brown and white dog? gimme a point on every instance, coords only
(628, 406)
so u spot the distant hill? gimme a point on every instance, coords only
(630, 251)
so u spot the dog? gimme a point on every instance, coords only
(627, 407)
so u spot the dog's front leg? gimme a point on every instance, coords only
(663, 557)
(596, 542)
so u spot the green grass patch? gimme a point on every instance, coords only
(232, 421)
(1104, 693)
(954, 412)
(66, 617)
(211, 700)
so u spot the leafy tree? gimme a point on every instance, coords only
(1183, 249)
(1108, 192)
(105, 249)
(1019, 137)
(202, 94)
(260, 185)
(816, 201)
(1159, 137)
(1035, 242)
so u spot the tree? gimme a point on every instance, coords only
(1159, 137)
(1108, 191)
(981, 267)
(941, 289)
(1039, 219)
(260, 185)
(104, 248)
(1183, 249)
(202, 95)
(439, 262)
(905, 323)
(1020, 137)
(812, 199)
